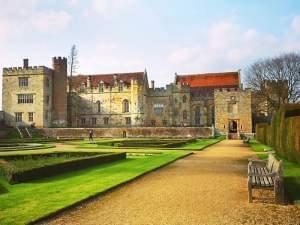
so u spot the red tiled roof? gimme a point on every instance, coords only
(108, 79)
(210, 79)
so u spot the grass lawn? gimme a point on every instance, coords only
(200, 144)
(26, 202)
(291, 171)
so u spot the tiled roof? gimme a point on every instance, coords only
(108, 79)
(210, 79)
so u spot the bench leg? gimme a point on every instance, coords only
(250, 198)
(279, 191)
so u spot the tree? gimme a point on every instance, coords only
(73, 60)
(73, 66)
(276, 80)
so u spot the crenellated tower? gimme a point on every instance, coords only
(59, 110)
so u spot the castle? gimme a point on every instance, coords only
(47, 97)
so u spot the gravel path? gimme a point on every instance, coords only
(209, 187)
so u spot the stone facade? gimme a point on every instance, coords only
(233, 111)
(123, 99)
(28, 95)
(134, 132)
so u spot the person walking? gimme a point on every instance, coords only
(91, 133)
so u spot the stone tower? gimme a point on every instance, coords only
(59, 110)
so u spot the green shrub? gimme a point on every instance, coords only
(14, 175)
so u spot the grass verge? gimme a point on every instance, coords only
(28, 202)
(291, 171)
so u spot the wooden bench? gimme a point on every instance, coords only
(266, 174)
(246, 140)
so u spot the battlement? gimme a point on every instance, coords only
(59, 60)
(26, 71)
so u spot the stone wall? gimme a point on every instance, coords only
(170, 132)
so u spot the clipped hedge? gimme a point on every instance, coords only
(284, 132)
(14, 177)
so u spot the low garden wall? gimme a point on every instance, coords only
(166, 132)
(283, 133)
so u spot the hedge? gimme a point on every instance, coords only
(14, 177)
(284, 132)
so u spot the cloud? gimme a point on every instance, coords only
(108, 8)
(226, 46)
(296, 24)
(51, 21)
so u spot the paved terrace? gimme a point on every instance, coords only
(209, 187)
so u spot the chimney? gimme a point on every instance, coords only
(152, 84)
(25, 63)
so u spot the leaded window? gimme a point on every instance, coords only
(25, 98)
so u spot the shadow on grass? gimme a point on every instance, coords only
(3, 190)
(292, 187)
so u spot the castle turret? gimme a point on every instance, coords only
(59, 112)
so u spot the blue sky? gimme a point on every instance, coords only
(164, 36)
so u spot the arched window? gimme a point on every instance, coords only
(125, 105)
(98, 106)
(184, 115)
(197, 115)
(184, 99)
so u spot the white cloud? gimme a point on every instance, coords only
(226, 46)
(296, 24)
(108, 8)
(51, 21)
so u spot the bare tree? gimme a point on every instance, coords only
(73, 60)
(73, 66)
(276, 80)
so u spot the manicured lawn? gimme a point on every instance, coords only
(26, 202)
(291, 172)
(202, 143)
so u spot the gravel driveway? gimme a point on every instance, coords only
(209, 187)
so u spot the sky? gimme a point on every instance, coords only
(161, 36)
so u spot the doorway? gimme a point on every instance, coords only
(233, 129)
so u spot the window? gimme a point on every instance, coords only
(47, 82)
(46, 115)
(98, 106)
(153, 122)
(23, 81)
(158, 109)
(25, 98)
(18, 116)
(30, 116)
(101, 87)
(128, 120)
(165, 122)
(106, 120)
(125, 105)
(184, 99)
(197, 116)
(83, 121)
(47, 99)
(94, 121)
(184, 115)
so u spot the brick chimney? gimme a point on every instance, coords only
(152, 84)
(25, 63)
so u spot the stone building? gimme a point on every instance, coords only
(48, 98)
(35, 95)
